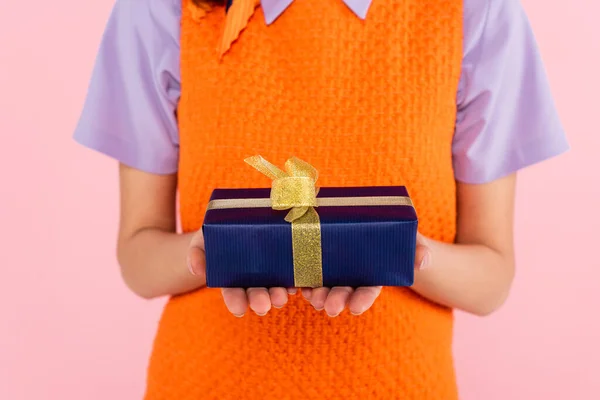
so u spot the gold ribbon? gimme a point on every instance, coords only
(222, 204)
(295, 189)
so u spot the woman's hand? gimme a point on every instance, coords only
(260, 300)
(237, 300)
(334, 300)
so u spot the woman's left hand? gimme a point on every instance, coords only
(335, 300)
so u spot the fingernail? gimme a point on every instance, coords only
(355, 314)
(278, 307)
(424, 261)
(333, 315)
(189, 265)
(261, 315)
(359, 312)
(239, 315)
(293, 291)
(319, 309)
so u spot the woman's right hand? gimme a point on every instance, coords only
(238, 300)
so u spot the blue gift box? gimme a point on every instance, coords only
(362, 245)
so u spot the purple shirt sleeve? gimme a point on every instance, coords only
(506, 117)
(129, 112)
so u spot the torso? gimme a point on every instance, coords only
(366, 102)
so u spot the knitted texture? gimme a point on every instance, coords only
(367, 103)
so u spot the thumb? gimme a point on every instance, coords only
(423, 253)
(195, 258)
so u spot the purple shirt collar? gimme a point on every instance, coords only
(274, 8)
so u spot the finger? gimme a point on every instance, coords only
(422, 253)
(363, 298)
(337, 300)
(307, 293)
(422, 257)
(196, 261)
(279, 296)
(259, 299)
(236, 300)
(318, 297)
(292, 290)
(197, 240)
(195, 258)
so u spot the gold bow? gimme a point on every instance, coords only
(295, 189)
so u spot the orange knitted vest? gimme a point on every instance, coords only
(367, 103)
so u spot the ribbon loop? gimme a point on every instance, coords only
(265, 167)
(296, 167)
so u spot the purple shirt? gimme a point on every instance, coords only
(506, 117)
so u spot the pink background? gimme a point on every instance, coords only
(69, 329)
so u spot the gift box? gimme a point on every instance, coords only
(298, 235)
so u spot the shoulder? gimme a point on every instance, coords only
(491, 16)
(148, 15)
(153, 7)
(506, 116)
(485, 17)
(129, 111)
